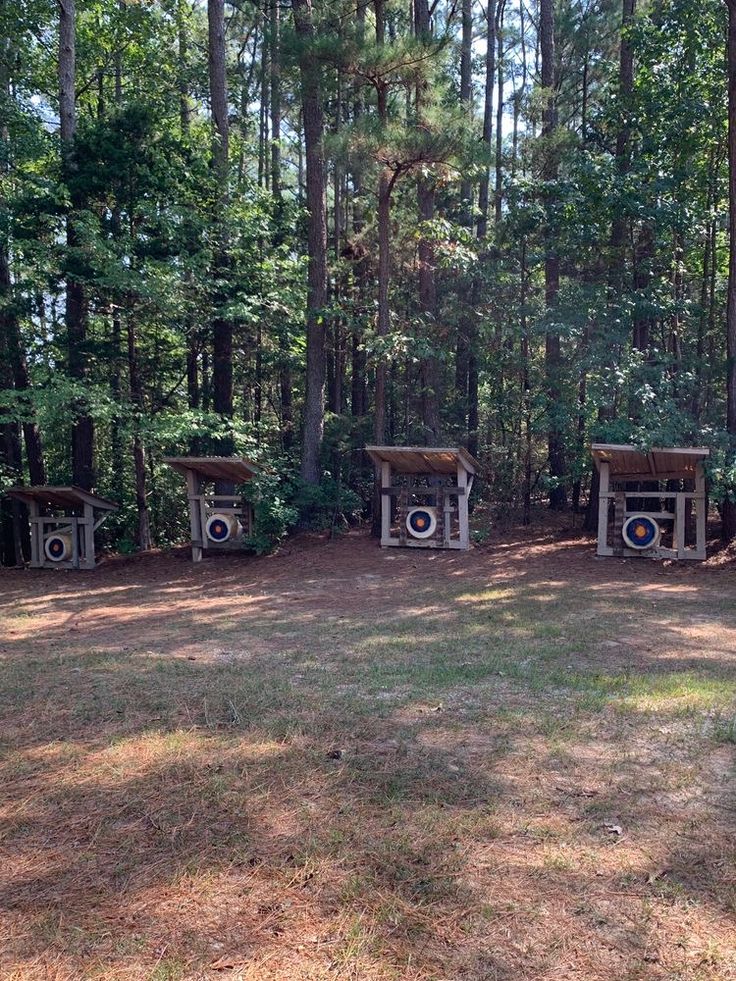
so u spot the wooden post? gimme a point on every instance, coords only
(679, 536)
(603, 509)
(701, 513)
(619, 516)
(447, 516)
(462, 506)
(88, 531)
(37, 555)
(195, 516)
(385, 503)
(403, 509)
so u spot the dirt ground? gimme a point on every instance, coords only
(341, 762)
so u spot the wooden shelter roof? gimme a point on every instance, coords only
(236, 469)
(424, 459)
(61, 497)
(659, 463)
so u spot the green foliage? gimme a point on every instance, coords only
(162, 252)
(330, 504)
(269, 492)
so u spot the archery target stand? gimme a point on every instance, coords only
(430, 486)
(63, 524)
(651, 504)
(218, 521)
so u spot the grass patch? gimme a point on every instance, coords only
(370, 776)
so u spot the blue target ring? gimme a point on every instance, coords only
(421, 522)
(219, 531)
(640, 531)
(57, 547)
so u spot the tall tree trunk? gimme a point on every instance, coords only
(644, 254)
(466, 98)
(8, 319)
(483, 202)
(222, 328)
(182, 67)
(358, 395)
(553, 352)
(526, 392)
(383, 324)
(729, 507)
(313, 117)
(465, 325)
(385, 187)
(620, 222)
(623, 138)
(430, 374)
(484, 190)
(275, 59)
(82, 449)
(143, 533)
(191, 331)
(285, 382)
(498, 189)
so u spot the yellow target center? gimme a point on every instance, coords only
(640, 531)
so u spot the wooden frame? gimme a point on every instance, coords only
(619, 465)
(402, 469)
(80, 526)
(199, 471)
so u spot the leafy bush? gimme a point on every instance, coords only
(326, 505)
(273, 514)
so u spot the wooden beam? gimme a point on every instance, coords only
(462, 506)
(603, 509)
(385, 501)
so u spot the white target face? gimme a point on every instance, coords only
(421, 522)
(58, 548)
(221, 527)
(641, 531)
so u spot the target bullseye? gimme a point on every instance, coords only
(58, 547)
(221, 527)
(421, 522)
(641, 531)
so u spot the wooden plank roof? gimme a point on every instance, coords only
(659, 463)
(61, 497)
(236, 469)
(424, 459)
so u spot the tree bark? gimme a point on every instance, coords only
(9, 325)
(498, 189)
(484, 190)
(143, 532)
(553, 350)
(465, 327)
(313, 118)
(285, 382)
(729, 507)
(358, 394)
(466, 98)
(276, 104)
(623, 137)
(429, 370)
(185, 102)
(82, 449)
(222, 328)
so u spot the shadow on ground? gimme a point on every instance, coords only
(341, 762)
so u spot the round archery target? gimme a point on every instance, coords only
(58, 548)
(641, 531)
(421, 522)
(221, 527)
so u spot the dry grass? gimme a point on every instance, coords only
(346, 763)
